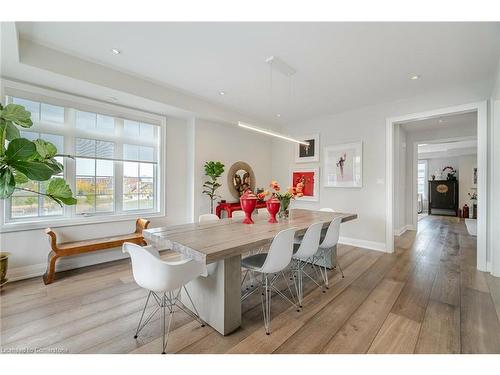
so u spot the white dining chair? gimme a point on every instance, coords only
(271, 267)
(304, 254)
(326, 209)
(206, 218)
(238, 214)
(328, 248)
(164, 281)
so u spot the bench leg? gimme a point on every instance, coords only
(48, 277)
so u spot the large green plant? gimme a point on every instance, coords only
(213, 169)
(22, 160)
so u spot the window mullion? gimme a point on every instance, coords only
(118, 166)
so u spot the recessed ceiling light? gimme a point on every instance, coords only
(222, 93)
(278, 115)
(116, 51)
(415, 77)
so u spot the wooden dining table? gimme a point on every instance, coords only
(220, 244)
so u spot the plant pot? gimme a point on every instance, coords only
(4, 263)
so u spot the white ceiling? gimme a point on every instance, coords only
(339, 65)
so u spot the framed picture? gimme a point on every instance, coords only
(343, 165)
(310, 178)
(474, 176)
(309, 153)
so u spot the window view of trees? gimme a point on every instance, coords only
(108, 152)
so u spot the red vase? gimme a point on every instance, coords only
(248, 202)
(273, 206)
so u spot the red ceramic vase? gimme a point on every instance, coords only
(273, 206)
(248, 202)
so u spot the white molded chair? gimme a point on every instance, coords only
(326, 209)
(206, 218)
(271, 266)
(164, 280)
(328, 247)
(238, 214)
(303, 256)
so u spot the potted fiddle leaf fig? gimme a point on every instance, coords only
(22, 161)
(213, 169)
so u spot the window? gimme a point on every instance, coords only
(115, 170)
(422, 178)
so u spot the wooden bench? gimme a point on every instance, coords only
(87, 246)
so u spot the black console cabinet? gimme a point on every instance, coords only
(443, 195)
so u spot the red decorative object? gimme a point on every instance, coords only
(273, 206)
(234, 206)
(248, 202)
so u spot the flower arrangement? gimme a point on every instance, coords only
(284, 197)
(472, 196)
(451, 172)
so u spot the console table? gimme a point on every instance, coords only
(443, 195)
(230, 207)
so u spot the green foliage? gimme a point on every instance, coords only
(22, 160)
(213, 169)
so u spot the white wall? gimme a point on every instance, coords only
(435, 166)
(368, 125)
(228, 144)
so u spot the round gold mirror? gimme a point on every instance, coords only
(240, 178)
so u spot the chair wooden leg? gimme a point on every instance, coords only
(48, 277)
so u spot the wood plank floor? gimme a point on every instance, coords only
(427, 297)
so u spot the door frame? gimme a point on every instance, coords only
(481, 108)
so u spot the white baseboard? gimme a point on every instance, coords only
(36, 270)
(401, 231)
(372, 245)
(64, 264)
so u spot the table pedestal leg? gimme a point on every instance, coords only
(218, 296)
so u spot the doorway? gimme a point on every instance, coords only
(394, 168)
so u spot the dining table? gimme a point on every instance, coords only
(220, 245)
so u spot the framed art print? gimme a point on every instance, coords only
(343, 165)
(309, 153)
(309, 177)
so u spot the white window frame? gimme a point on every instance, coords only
(69, 217)
(426, 179)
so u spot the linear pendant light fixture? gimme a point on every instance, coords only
(271, 133)
(275, 63)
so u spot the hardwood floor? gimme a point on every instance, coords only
(427, 297)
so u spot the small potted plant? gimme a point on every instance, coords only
(213, 169)
(451, 173)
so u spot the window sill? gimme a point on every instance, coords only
(65, 222)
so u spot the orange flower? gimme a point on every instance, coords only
(300, 194)
(274, 185)
(262, 195)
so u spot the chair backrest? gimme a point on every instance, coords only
(326, 209)
(280, 252)
(332, 234)
(205, 218)
(238, 214)
(310, 242)
(152, 273)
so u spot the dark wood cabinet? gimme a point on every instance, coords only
(443, 196)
